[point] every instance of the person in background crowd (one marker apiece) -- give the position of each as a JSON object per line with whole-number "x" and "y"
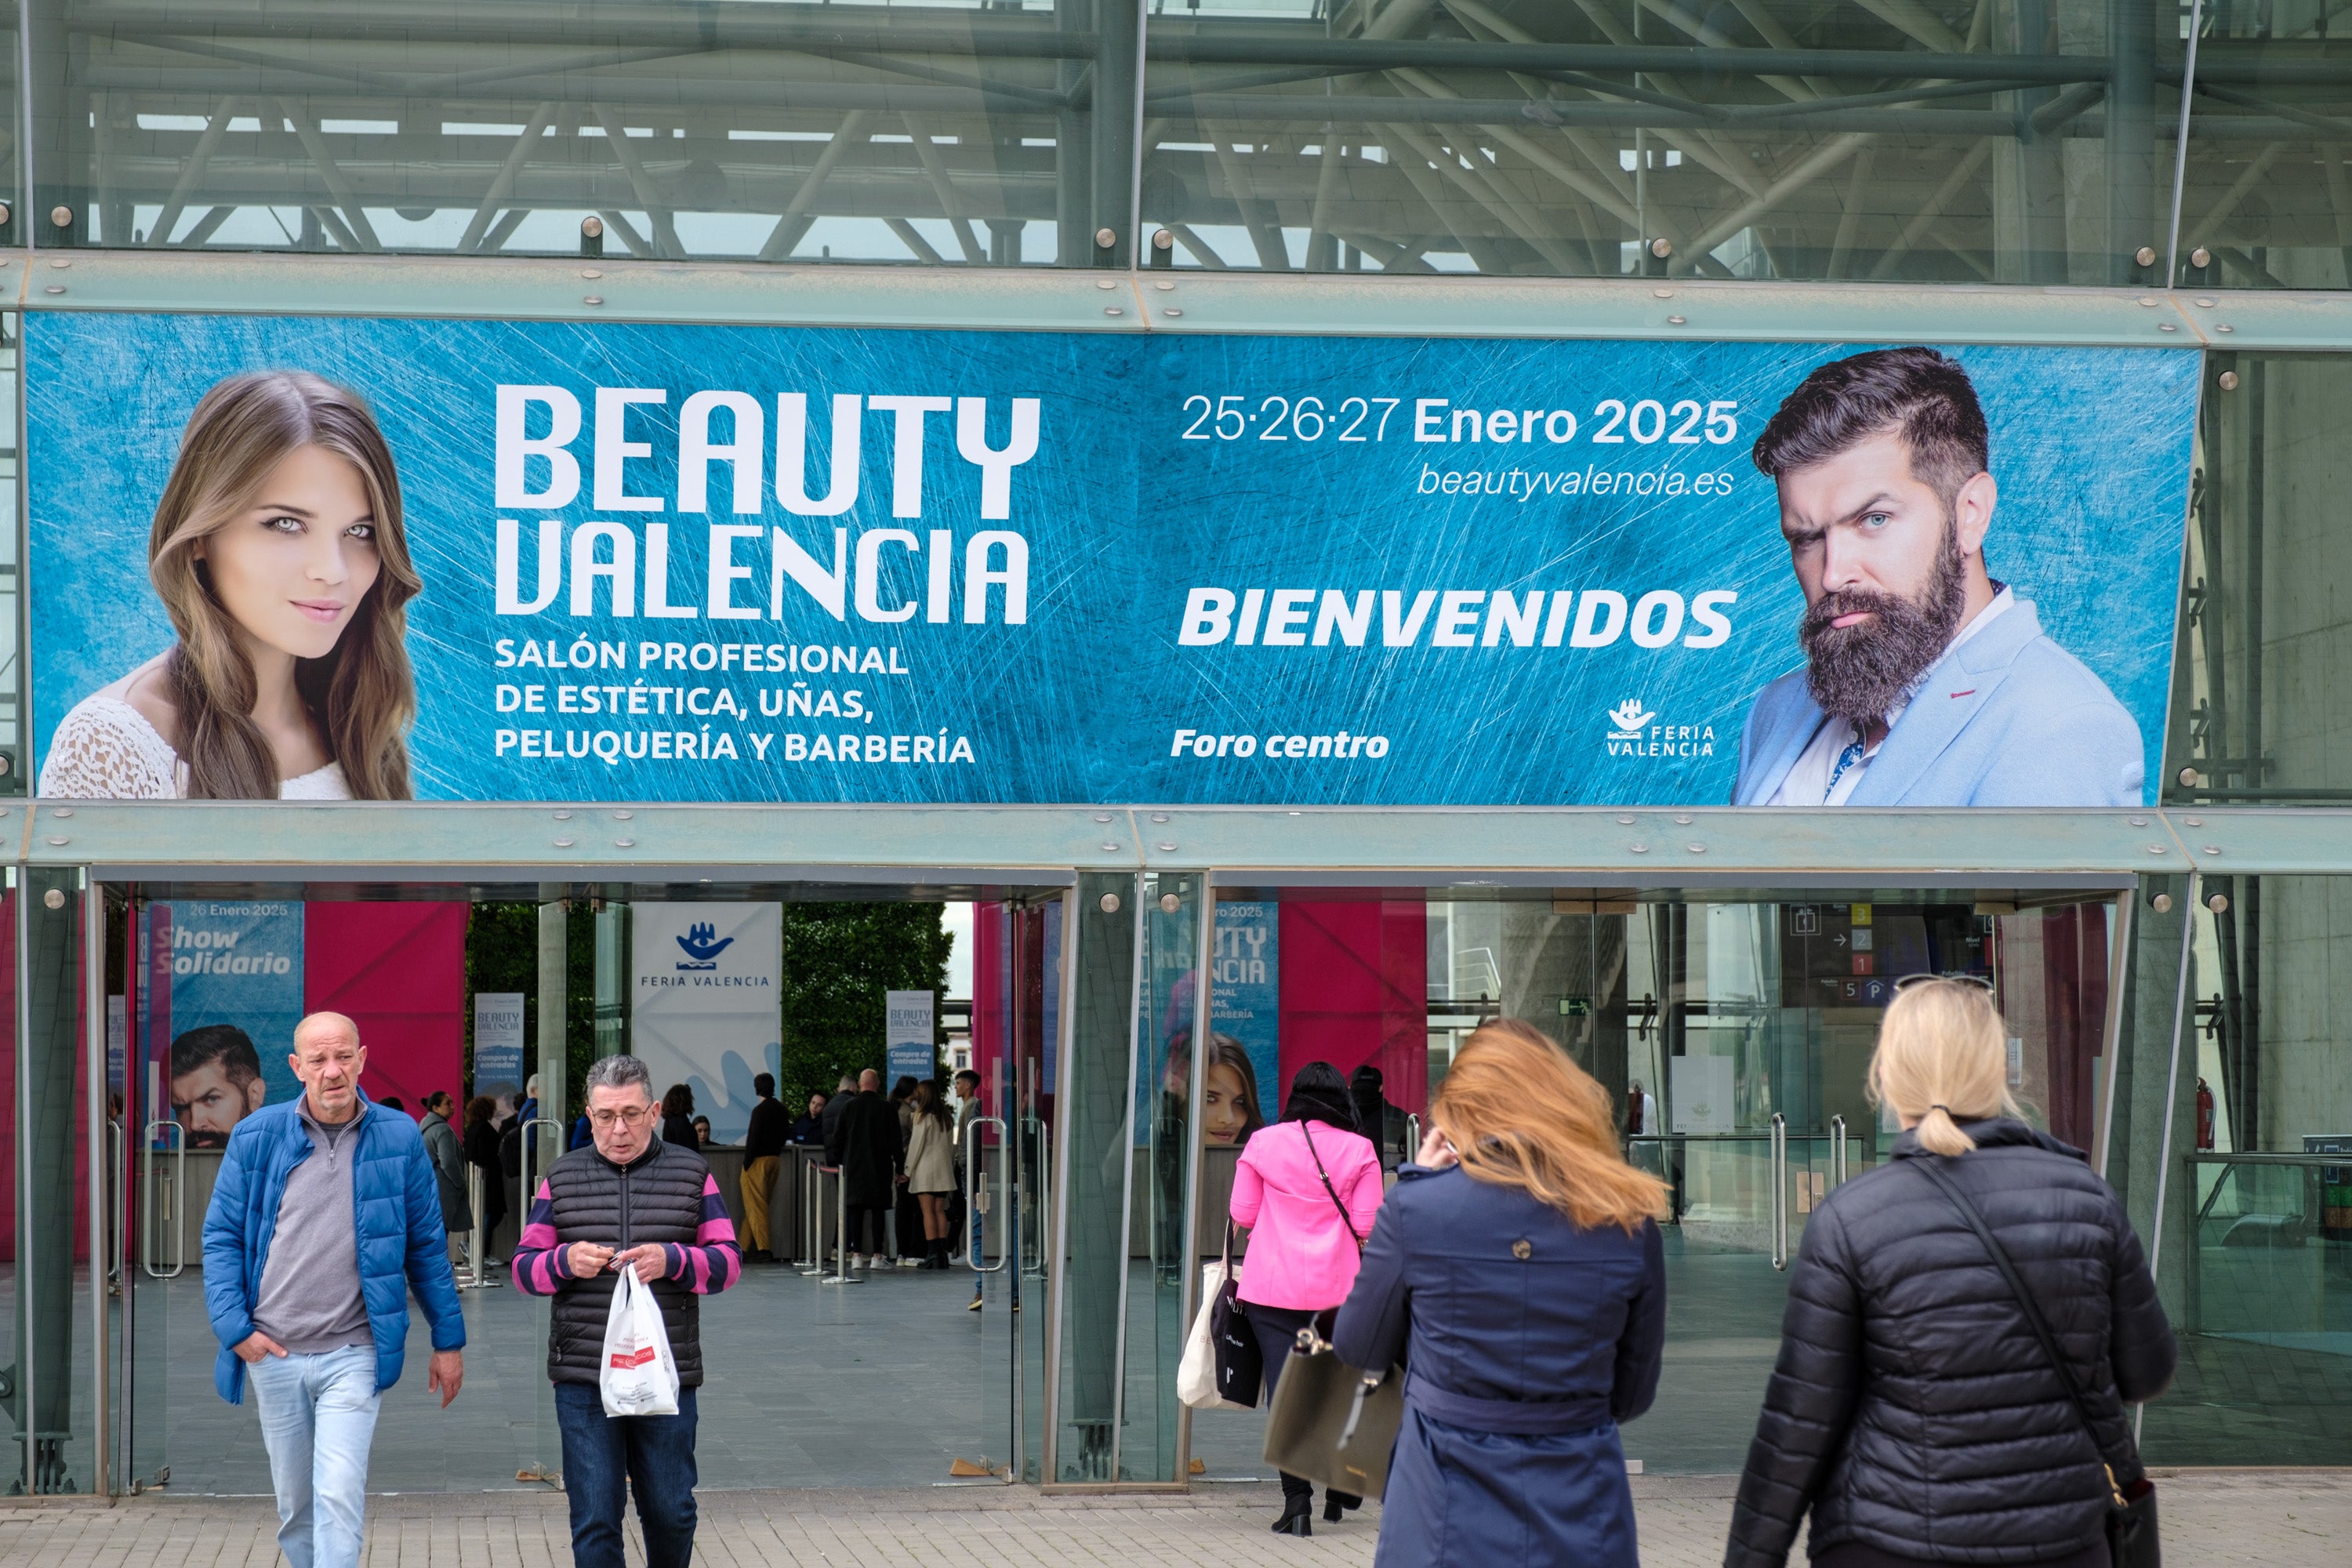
{"x": 581, "y": 1135}
{"x": 906, "y": 1214}
{"x": 677, "y": 1117}
{"x": 763, "y": 1145}
{"x": 393, "y": 1102}
{"x": 1913, "y": 1411}
{"x": 838, "y": 1106}
{"x": 809, "y": 1129}
{"x": 1382, "y": 1123}
{"x": 481, "y": 1147}
{"x": 1229, "y": 1112}
{"x": 865, "y": 1147}
{"x": 216, "y": 1082}
{"x": 1517, "y": 1271}
{"x": 930, "y": 1169}
{"x": 449, "y": 1163}
{"x": 969, "y": 1110}
{"x": 1641, "y": 1113}
{"x": 1306, "y": 1189}
{"x": 660, "y": 1197}
{"x": 702, "y": 1132}
{"x": 323, "y": 1219}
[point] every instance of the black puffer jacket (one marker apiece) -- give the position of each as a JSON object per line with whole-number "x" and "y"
{"x": 1911, "y": 1407}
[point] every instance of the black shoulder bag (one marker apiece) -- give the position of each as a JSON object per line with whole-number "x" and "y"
{"x": 2131, "y": 1517}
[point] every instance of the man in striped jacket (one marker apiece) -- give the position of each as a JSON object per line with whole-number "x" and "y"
{"x": 627, "y": 1201}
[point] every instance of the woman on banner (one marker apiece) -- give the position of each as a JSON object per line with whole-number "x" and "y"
{"x": 279, "y": 551}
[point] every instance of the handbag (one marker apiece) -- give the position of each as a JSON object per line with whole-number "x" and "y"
{"x": 1241, "y": 1365}
{"x": 1330, "y": 1422}
{"x": 1333, "y": 1422}
{"x": 1205, "y": 1374}
{"x": 2131, "y": 1513}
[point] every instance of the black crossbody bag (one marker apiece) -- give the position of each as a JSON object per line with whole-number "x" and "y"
{"x": 2131, "y": 1517}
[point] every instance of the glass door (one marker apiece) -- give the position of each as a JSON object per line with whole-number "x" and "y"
{"x": 1754, "y": 1028}
{"x": 152, "y": 1257}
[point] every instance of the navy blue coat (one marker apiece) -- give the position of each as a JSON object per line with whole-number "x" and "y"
{"x": 1526, "y": 1340}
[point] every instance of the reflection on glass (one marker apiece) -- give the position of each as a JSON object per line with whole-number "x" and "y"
{"x": 2004, "y": 143}
{"x": 941, "y": 134}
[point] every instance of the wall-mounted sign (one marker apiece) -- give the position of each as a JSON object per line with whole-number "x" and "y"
{"x": 705, "y": 1005}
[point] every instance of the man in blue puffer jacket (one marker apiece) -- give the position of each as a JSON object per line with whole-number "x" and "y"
{"x": 324, "y": 1215}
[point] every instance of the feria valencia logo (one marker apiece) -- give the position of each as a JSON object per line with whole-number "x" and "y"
{"x": 1627, "y": 718}
{"x": 1634, "y": 732}
{"x": 702, "y": 945}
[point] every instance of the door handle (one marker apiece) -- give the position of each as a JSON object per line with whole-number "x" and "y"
{"x": 971, "y": 1184}
{"x": 1779, "y": 1163}
{"x": 1837, "y": 1151}
{"x": 149, "y": 1259}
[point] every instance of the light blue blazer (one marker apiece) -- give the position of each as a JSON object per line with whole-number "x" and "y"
{"x": 2009, "y": 718}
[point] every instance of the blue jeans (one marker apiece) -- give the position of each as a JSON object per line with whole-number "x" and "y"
{"x": 607, "y": 1457}
{"x": 317, "y": 1418}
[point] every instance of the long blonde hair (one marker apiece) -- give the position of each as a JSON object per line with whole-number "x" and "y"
{"x": 1520, "y": 1113}
{"x": 1943, "y": 1058}
{"x": 362, "y": 694}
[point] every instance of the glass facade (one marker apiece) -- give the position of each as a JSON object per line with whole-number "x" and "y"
{"x": 1918, "y": 140}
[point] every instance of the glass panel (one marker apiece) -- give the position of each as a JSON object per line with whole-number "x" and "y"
{"x": 2255, "y": 1264}
{"x": 936, "y": 134}
{"x": 2009, "y": 141}
{"x": 2264, "y": 203}
{"x": 2256, "y": 642}
{"x": 50, "y": 1391}
{"x": 1094, "y": 1104}
{"x": 1036, "y": 1022}
{"x": 1167, "y": 1006}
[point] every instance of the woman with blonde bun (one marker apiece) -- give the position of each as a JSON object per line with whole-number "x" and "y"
{"x": 1516, "y": 1273}
{"x": 1914, "y": 1411}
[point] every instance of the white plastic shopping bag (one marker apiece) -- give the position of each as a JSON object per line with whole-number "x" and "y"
{"x": 639, "y": 1376}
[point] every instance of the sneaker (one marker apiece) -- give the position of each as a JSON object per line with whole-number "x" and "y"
{"x": 906, "y": 1262}
{"x": 857, "y": 1260}
{"x": 976, "y": 1305}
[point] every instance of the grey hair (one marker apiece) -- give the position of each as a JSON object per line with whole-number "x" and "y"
{"x": 620, "y": 1072}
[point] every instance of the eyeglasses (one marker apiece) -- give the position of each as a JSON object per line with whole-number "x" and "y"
{"x": 1923, "y": 978}
{"x": 627, "y": 1117}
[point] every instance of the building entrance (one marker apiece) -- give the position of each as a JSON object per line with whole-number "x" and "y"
{"x": 1126, "y": 1043}
{"x": 816, "y": 1374}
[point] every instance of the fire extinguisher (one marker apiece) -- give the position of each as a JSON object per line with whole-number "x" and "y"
{"x": 2204, "y": 1115}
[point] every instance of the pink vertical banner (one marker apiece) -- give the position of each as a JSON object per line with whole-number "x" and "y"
{"x": 1355, "y": 989}
{"x": 398, "y": 971}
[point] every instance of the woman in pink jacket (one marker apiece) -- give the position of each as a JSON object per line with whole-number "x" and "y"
{"x": 1306, "y": 1188}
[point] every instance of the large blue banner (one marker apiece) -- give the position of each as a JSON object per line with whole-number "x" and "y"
{"x": 557, "y": 560}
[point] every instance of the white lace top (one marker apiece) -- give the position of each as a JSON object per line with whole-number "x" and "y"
{"x": 106, "y": 749}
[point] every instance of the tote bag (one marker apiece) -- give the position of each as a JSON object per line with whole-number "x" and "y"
{"x": 1210, "y": 1369}
{"x": 637, "y": 1374}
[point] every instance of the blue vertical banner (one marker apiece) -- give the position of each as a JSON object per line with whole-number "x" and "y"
{"x": 1246, "y": 1020}
{"x": 236, "y": 978}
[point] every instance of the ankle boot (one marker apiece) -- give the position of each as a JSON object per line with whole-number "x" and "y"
{"x": 940, "y": 1260}
{"x": 1297, "y": 1512}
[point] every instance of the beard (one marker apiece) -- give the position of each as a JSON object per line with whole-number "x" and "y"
{"x": 1856, "y": 673}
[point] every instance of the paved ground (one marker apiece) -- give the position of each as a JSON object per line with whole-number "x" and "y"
{"x": 2279, "y": 1519}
